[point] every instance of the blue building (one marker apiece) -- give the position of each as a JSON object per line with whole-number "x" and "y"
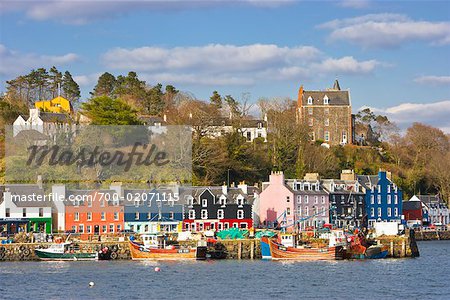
{"x": 383, "y": 198}
{"x": 152, "y": 211}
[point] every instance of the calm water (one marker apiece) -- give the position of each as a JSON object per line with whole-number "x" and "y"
{"x": 421, "y": 278}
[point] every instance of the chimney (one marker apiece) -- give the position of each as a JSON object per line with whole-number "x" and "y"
{"x": 265, "y": 117}
{"x": 117, "y": 187}
{"x": 300, "y": 96}
{"x": 190, "y": 115}
{"x": 243, "y": 187}
{"x": 39, "y": 181}
{"x": 311, "y": 177}
{"x": 276, "y": 178}
{"x": 165, "y": 118}
{"x": 224, "y": 188}
{"x": 348, "y": 175}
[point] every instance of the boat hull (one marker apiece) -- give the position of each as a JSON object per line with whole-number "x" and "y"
{"x": 279, "y": 252}
{"x": 44, "y": 255}
{"x": 138, "y": 252}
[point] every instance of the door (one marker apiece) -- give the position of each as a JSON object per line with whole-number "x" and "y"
{"x": 96, "y": 229}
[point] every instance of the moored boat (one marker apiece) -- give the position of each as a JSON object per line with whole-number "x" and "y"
{"x": 64, "y": 251}
{"x": 154, "y": 248}
{"x": 270, "y": 249}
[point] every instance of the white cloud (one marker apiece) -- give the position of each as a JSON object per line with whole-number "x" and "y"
{"x": 13, "y": 62}
{"x": 80, "y": 12}
{"x": 347, "y": 65}
{"x": 87, "y": 80}
{"x": 387, "y": 30}
{"x": 434, "y": 114}
{"x": 355, "y": 3}
{"x": 217, "y": 64}
{"x": 433, "y": 80}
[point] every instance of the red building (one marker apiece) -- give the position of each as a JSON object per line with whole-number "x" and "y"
{"x": 413, "y": 212}
{"x": 93, "y": 212}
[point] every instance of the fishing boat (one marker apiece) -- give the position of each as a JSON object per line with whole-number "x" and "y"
{"x": 154, "y": 248}
{"x": 64, "y": 251}
{"x": 360, "y": 248}
{"x": 271, "y": 249}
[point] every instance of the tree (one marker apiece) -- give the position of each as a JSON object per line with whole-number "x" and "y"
{"x": 216, "y": 100}
{"x": 70, "y": 87}
{"x": 105, "y": 86}
{"x": 55, "y": 79}
{"x": 105, "y": 110}
{"x": 155, "y": 100}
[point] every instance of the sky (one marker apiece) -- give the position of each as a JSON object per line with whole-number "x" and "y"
{"x": 393, "y": 56}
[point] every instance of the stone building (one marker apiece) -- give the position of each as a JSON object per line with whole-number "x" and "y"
{"x": 328, "y": 114}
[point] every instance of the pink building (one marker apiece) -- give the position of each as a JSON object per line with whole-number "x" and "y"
{"x": 276, "y": 203}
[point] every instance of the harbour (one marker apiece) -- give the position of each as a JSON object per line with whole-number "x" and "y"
{"x": 400, "y": 278}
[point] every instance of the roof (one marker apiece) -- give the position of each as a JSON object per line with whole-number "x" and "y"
{"x": 368, "y": 180}
{"x": 28, "y": 195}
{"x": 335, "y": 97}
{"x": 55, "y": 117}
{"x": 412, "y": 205}
{"x": 290, "y": 183}
{"x": 231, "y": 195}
{"x": 226, "y": 121}
{"x": 151, "y": 120}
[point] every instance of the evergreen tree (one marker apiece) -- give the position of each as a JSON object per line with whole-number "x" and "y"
{"x": 155, "y": 100}
{"x": 55, "y": 80}
{"x": 70, "y": 88}
{"x": 105, "y": 110}
{"x": 216, "y": 99}
{"x": 105, "y": 86}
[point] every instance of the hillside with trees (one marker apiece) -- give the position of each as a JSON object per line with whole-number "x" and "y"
{"x": 419, "y": 158}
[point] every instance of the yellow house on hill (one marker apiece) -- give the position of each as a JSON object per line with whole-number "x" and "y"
{"x": 56, "y": 105}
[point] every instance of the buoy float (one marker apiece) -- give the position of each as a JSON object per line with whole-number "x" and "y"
{"x": 91, "y": 284}
{"x": 157, "y": 269}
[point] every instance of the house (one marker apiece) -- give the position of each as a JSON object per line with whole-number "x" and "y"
{"x": 156, "y": 124}
{"x": 56, "y": 105}
{"x": 42, "y": 122}
{"x": 93, "y": 212}
{"x": 276, "y": 203}
{"x": 347, "y": 207}
{"x": 217, "y": 208}
{"x": 414, "y": 212}
{"x": 383, "y": 199}
{"x": 25, "y": 208}
{"x": 436, "y": 209}
{"x": 152, "y": 211}
{"x": 327, "y": 113}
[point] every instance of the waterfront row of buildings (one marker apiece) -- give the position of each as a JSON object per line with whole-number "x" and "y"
{"x": 293, "y": 204}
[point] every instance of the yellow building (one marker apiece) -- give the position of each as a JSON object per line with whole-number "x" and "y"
{"x": 56, "y": 105}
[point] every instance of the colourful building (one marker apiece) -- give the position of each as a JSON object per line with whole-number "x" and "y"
{"x": 56, "y": 105}
{"x": 94, "y": 212}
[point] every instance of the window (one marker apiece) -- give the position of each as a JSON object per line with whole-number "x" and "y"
{"x": 104, "y": 229}
{"x": 306, "y": 199}
{"x": 235, "y": 225}
{"x": 327, "y": 136}
{"x": 89, "y": 216}
{"x": 149, "y": 216}
{"x": 372, "y": 212}
{"x": 89, "y": 229}
{"x": 379, "y": 199}
{"x": 243, "y": 225}
{"x": 379, "y": 188}
{"x": 89, "y": 201}
{"x": 240, "y": 201}
{"x": 325, "y": 100}
{"x": 389, "y": 212}
{"x": 288, "y": 199}
{"x": 190, "y": 201}
{"x": 74, "y": 228}
{"x": 102, "y": 203}
{"x": 395, "y": 199}
{"x": 219, "y": 226}
{"x": 372, "y": 199}
{"x": 76, "y": 216}
{"x": 41, "y": 212}
{"x": 306, "y": 211}
{"x": 136, "y": 216}
{"x": 316, "y": 199}
{"x": 312, "y": 136}
{"x": 226, "y": 225}
{"x": 327, "y": 122}
{"x": 299, "y": 199}
{"x": 327, "y": 110}
{"x": 311, "y": 122}
{"x": 324, "y": 212}
{"x": 220, "y": 214}
{"x": 379, "y": 212}
{"x": 146, "y": 228}
{"x": 119, "y": 228}
{"x": 240, "y": 214}
{"x": 323, "y": 199}
{"x": 310, "y": 111}
{"x": 389, "y": 199}
{"x": 204, "y": 214}
{"x": 111, "y": 227}
{"x": 24, "y": 212}
{"x": 395, "y": 212}
{"x": 81, "y": 228}
{"x": 288, "y": 211}
{"x": 204, "y": 202}
{"x": 116, "y": 216}
{"x": 8, "y": 213}
{"x": 310, "y": 100}
{"x": 103, "y": 216}
{"x": 171, "y": 215}
{"x": 249, "y": 136}
{"x": 389, "y": 188}
{"x": 192, "y": 214}
{"x": 299, "y": 210}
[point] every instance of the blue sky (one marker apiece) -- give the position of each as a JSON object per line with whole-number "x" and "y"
{"x": 392, "y": 55}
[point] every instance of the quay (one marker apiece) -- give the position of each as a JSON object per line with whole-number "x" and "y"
{"x": 399, "y": 247}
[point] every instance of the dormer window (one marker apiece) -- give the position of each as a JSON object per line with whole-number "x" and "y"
{"x": 240, "y": 201}
{"x": 310, "y": 100}
{"x": 325, "y": 100}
